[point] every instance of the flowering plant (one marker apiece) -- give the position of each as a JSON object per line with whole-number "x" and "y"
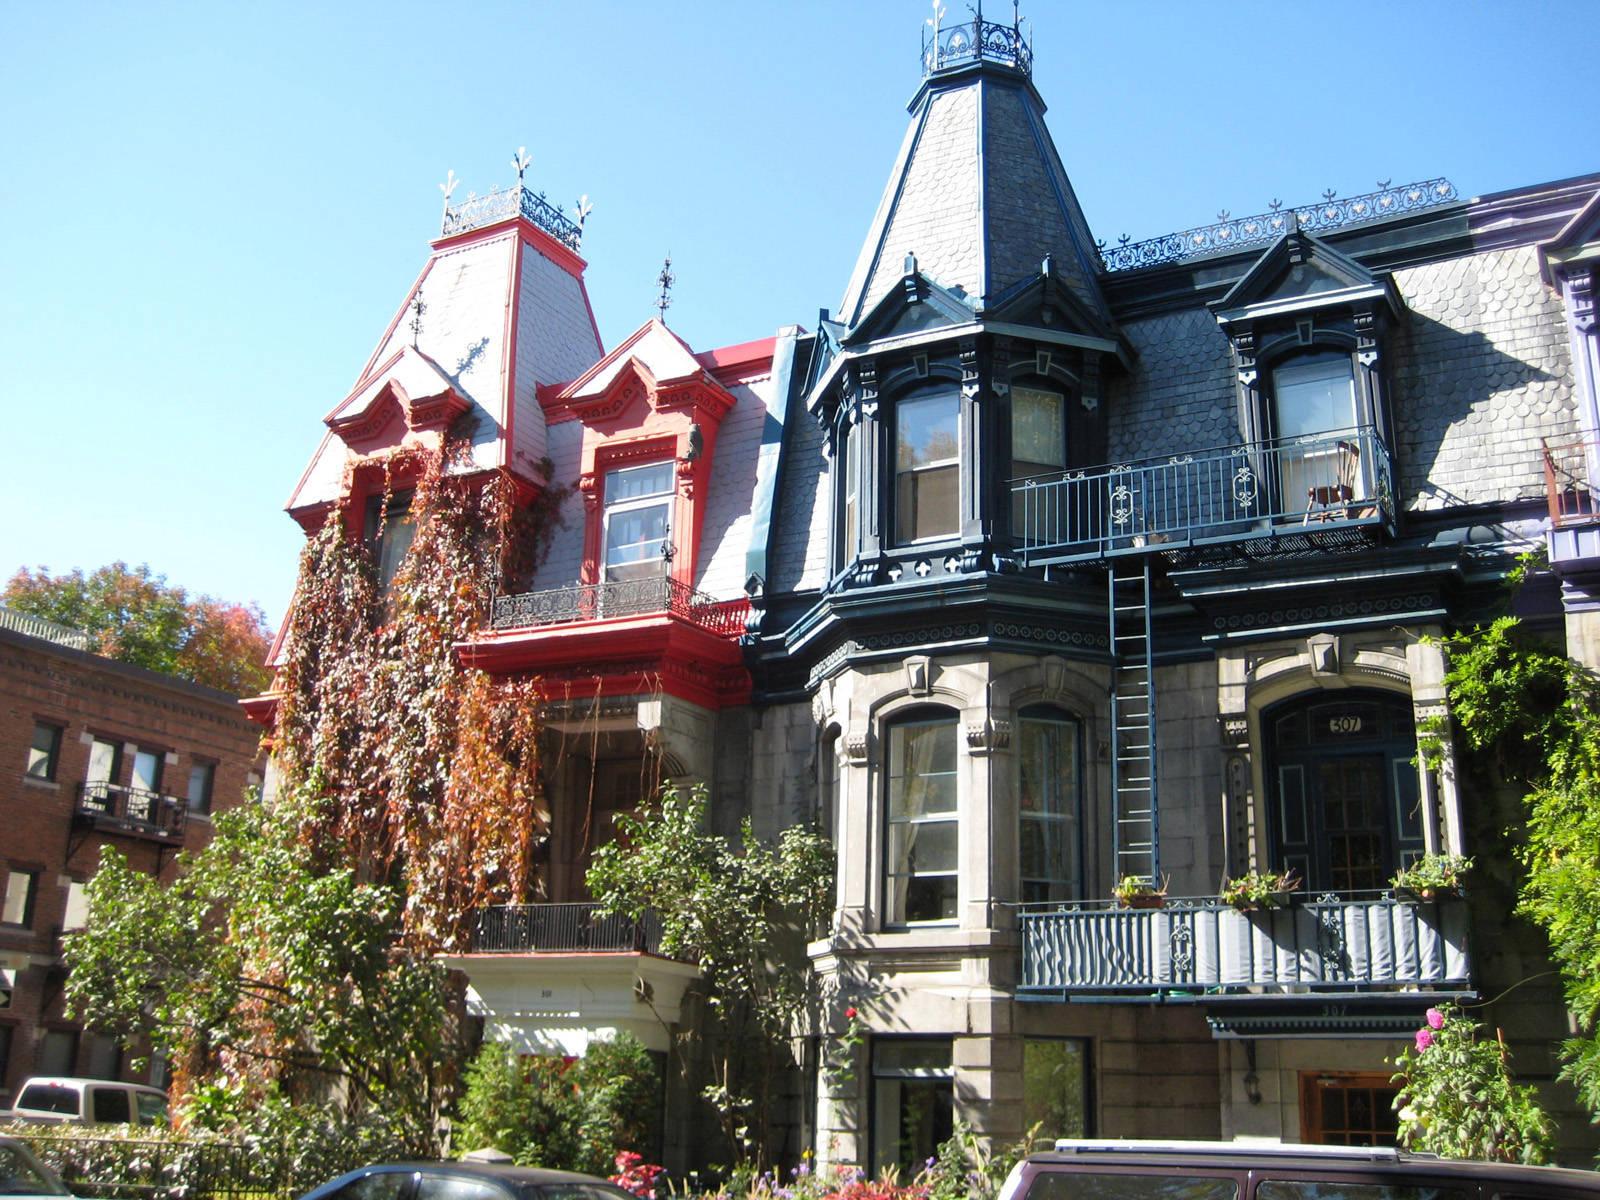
{"x": 637, "y": 1176}
{"x": 847, "y": 1047}
{"x": 1432, "y": 875}
{"x": 1257, "y": 889}
{"x": 1457, "y": 1099}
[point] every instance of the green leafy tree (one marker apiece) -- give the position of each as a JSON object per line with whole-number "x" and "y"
{"x": 257, "y": 971}
{"x": 135, "y": 616}
{"x": 1457, "y": 1098}
{"x": 735, "y": 908}
{"x": 1531, "y": 717}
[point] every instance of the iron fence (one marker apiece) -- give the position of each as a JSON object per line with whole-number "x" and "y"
{"x": 1356, "y": 942}
{"x": 1230, "y": 492}
{"x": 569, "y": 928}
{"x": 501, "y": 203}
{"x": 163, "y": 1168}
{"x": 620, "y": 598}
{"x": 134, "y": 809}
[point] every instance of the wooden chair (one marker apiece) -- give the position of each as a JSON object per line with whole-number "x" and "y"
{"x": 1331, "y": 502}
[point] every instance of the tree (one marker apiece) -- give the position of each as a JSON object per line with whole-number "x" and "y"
{"x": 255, "y": 968}
{"x": 1531, "y": 718}
{"x": 730, "y": 907}
{"x": 135, "y": 616}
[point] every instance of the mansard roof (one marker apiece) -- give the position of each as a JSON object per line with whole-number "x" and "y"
{"x": 978, "y": 194}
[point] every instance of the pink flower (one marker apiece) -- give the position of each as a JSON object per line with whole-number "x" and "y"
{"x": 1424, "y": 1039}
{"x": 1435, "y": 1019}
{"x": 850, "y": 1013}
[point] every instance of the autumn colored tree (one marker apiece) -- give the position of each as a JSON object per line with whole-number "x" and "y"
{"x": 133, "y": 615}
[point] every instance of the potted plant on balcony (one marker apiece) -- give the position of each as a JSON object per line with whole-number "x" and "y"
{"x": 1138, "y": 891}
{"x": 1257, "y": 890}
{"x": 1432, "y": 876}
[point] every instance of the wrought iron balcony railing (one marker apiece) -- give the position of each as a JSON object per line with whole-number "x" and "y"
{"x": 562, "y": 928}
{"x": 1571, "y": 465}
{"x": 1359, "y": 942}
{"x": 20, "y": 622}
{"x": 501, "y": 203}
{"x": 1309, "y": 485}
{"x": 133, "y": 810}
{"x": 620, "y": 598}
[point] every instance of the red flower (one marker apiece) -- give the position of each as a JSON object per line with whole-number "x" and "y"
{"x": 850, "y": 1014}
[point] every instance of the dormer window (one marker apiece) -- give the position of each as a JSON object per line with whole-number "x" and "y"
{"x": 927, "y": 467}
{"x": 637, "y": 523}
{"x": 1313, "y": 394}
{"x": 390, "y": 531}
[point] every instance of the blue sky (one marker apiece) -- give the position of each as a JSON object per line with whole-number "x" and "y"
{"x": 211, "y": 211}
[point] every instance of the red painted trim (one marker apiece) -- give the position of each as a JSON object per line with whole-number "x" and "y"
{"x": 305, "y": 475}
{"x": 743, "y": 354}
{"x": 363, "y": 384}
{"x": 620, "y": 656}
{"x": 573, "y": 264}
{"x": 263, "y": 710}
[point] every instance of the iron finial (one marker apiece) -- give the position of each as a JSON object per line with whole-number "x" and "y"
{"x": 447, "y": 187}
{"x": 417, "y": 309}
{"x": 582, "y": 208}
{"x": 666, "y": 280}
{"x": 521, "y": 161}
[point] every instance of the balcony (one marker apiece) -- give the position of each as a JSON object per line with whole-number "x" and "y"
{"x": 1255, "y": 500}
{"x": 1570, "y": 467}
{"x": 134, "y": 812}
{"x": 563, "y": 929}
{"x": 620, "y": 598}
{"x": 1200, "y": 948}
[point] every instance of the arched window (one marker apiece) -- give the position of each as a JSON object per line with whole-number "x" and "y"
{"x": 1343, "y": 805}
{"x": 1049, "y": 805}
{"x": 923, "y": 828}
{"x": 927, "y": 466}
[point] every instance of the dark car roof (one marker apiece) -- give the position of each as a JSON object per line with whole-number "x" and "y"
{"x": 504, "y": 1173}
{"x": 1306, "y": 1159}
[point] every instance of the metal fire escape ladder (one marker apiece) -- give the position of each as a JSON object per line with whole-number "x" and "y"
{"x": 1136, "y": 848}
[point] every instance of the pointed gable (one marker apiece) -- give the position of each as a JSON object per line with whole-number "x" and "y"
{"x": 652, "y": 361}
{"x": 1300, "y": 271}
{"x": 978, "y": 194}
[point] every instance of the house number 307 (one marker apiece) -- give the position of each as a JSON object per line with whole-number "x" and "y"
{"x": 1344, "y": 724}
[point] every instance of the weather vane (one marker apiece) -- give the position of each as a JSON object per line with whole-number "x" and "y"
{"x": 665, "y": 279}
{"x": 447, "y": 187}
{"x": 582, "y": 208}
{"x": 520, "y": 161}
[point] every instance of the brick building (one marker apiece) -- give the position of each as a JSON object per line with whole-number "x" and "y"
{"x": 93, "y": 753}
{"x": 1037, "y": 565}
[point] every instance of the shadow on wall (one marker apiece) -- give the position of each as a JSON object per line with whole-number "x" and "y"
{"x": 1468, "y": 417}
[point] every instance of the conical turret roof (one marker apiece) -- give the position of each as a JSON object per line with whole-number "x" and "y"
{"x": 978, "y": 193}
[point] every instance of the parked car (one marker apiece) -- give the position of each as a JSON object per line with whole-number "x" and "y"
{"x": 1135, "y": 1170}
{"x": 23, "y": 1175}
{"x": 464, "y": 1181}
{"x": 63, "y": 1099}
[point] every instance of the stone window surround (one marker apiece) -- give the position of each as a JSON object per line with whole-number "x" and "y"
{"x": 853, "y": 712}
{"x": 1254, "y": 678}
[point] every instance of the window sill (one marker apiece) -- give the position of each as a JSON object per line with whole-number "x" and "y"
{"x": 50, "y": 785}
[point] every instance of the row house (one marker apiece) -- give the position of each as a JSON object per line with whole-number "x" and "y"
{"x": 95, "y": 753}
{"x": 1038, "y": 564}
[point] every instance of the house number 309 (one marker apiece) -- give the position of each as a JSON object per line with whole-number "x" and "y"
{"x": 1344, "y": 724}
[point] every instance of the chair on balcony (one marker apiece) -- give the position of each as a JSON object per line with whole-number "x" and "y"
{"x": 1331, "y": 502}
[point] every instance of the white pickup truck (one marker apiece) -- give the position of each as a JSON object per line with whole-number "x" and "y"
{"x": 88, "y": 1102}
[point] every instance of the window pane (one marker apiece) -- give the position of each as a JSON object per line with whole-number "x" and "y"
{"x": 1054, "y": 1086}
{"x": 1330, "y": 1189}
{"x": 110, "y": 1106}
{"x": 104, "y": 758}
{"x": 1314, "y": 395}
{"x": 631, "y": 483}
{"x": 58, "y": 1053}
{"x": 1038, "y": 432}
{"x": 928, "y": 502}
{"x": 913, "y": 1101}
{"x": 926, "y": 847}
{"x": 147, "y": 770}
{"x": 42, "y": 754}
{"x": 104, "y": 1058}
{"x": 635, "y": 534}
{"x": 1075, "y": 1185}
{"x": 434, "y": 1187}
{"x": 18, "y": 908}
{"x": 152, "y": 1109}
{"x": 379, "y": 1185}
{"x": 1048, "y": 799}
{"x": 926, "y": 431}
{"x": 201, "y": 777}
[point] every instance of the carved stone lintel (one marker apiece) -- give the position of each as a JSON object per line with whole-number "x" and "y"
{"x": 919, "y": 674}
{"x": 1323, "y": 650}
{"x": 987, "y": 736}
{"x": 1054, "y": 671}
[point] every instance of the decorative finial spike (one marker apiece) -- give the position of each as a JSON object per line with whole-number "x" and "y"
{"x": 1383, "y": 184}
{"x": 911, "y": 265}
{"x": 666, "y": 279}
{"x": 417, "y": 309}
{"x": 449, "y": 185}
{"x": 583, "y": 208}
{"x": 521, "y": 161}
